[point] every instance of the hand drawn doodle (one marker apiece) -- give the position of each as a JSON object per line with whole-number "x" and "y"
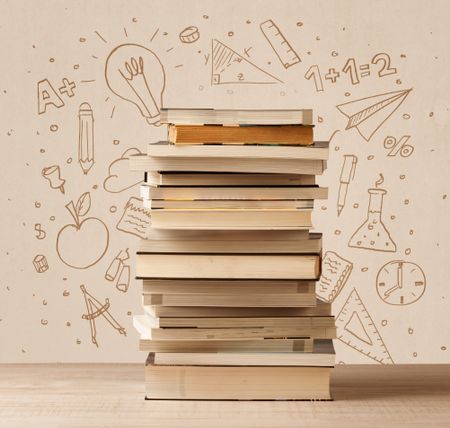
{"x": 135, "y": 219}
{"x": 400, "y": 283}
{"x": 135, "y": 74}
{"x": 398, "y": 147}
{"x": 372, "y": 234}
{"x": 40, "y": 263}
{"x": 314, "y": 72}
{"x": 120, "y": 271}
{"x": 53, "y": 175}
{"x": 279, "y": 44}
{"x": 230, "y": 67}
{"x": 189, "y": 35}
{"x": 347, "y": 175}
{"x": 67, "y": 87}
{"x": 385, "y": 60}
{"x": 47, "y": 95}
{"x": 119, "y": 177}
{"x": 85, "y": 137}
{"x": 332, "y": 75}
{"x": 83, "y": 243}
{"x": 40, "y": 233}
{"x": 335, "y": 273}
{"x": 356, "y": 329}
{"x": 368, "y": 114}
{"x": 96, "y": 309}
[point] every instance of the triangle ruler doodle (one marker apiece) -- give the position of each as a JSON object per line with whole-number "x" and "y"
{"x": 357, "y": 330}
{"x": 96, "y": 309}
{"x": 230, "y": 67}
{"x": 368, "y": 114}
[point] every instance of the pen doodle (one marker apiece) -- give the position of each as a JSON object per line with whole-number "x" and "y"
{"x": 118, "y": 270}
{"x": 135, "y": 219}
{"x": 119, "y": 176}
{"x": 96, "y": 309}
{"x": 85, "y": 137}
{"x": 230, "y": 67}
{"x": 75, "y": 245}
{"x": 53, "y": 175}
{"x": 347, "y": 175}
{"x": 356, "y": 329}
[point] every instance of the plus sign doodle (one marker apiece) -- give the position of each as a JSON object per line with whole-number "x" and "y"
{"x": 67, "y": 87}
{"x": 47, "y": 95}
{"x": 332, "y": 75}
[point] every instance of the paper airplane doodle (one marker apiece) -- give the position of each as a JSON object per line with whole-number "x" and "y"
{"x": 96, "y": 309}
{"x": 230, "y": 67}
{"x": 368, "y": 114}
{"x": 357, "y": 330}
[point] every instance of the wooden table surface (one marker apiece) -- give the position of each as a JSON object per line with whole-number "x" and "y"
{"x": 111, "y": 395}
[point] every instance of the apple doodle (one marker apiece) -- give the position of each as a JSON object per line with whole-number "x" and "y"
{"x": 83, "y": 243}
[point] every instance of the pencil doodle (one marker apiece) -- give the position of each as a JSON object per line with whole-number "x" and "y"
{"x": 85, "y": 137}
{"x": 40, "y": 263}
{"x": 189, "y": 35}
{"x": 74, "y": 244}
{"x": 119, "y": 176}
{"x": 47, "y": 95}
{"x": 95, "y": 309}
{"x": 135, "y": 219}
{"x": 40, "y": 233}
{"x": 399, "y": 147}
{"x": 347, "y": 175}
{"x": 136, "y": 74}
{"x": 400, "y": 283}
{"x": 283, "y": 49}
{"x": 335, "y": 273}
{"x": 373, "y": 234}
{"x": 356, "y": 329}
{"x": 118, "y": 270}
{"x": 230, "y": 67}
{"x": 368, "y": 114}
{"x": 53, "y": 175}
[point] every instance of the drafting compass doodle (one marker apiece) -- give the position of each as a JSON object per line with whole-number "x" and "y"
{"x": 96, "y": 309}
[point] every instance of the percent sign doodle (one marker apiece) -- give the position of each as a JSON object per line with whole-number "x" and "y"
{"x": 398, "y": 147}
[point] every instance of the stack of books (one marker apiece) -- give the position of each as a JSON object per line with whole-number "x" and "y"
{"x": 229, "y": 264}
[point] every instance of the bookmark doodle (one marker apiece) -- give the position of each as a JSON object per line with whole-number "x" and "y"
{"x": 96, "y": 309}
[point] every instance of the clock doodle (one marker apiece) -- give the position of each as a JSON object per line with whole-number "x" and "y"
{"x": 400, "y": 282}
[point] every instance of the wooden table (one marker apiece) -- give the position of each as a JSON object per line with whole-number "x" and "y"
{"x": 108, "y": 395}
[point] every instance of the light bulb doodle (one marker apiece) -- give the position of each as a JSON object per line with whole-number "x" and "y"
{"x": 135, "y": 74}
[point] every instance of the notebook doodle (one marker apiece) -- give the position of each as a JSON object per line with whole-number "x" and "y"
{"x": 356, "y": 329}
{"x": 335, "y": 273}
{"x": 96, "y": 309}
{"x": 230, "y": 67}
{"x": 135, "y": 219}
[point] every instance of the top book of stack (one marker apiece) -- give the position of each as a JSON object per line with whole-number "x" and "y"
{"x": 265, "y": 127}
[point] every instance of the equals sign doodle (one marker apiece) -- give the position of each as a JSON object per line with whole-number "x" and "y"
{"x": 365, "y": 71}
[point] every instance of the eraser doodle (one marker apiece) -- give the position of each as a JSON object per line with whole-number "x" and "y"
{"x": 189, "y": 35}
{"x": 40, "y": 263}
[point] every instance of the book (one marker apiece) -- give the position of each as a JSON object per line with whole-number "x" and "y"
{"x": 320, "y": 309}
{"x": 234, "y": 193}
{"x": 217, "y": 164}
{"x": 163, "y": 149}
{"x": 298, "y": 135}
{"x": 322, "y": 355}
{"x": 236, "y": 219}
{"x": 227, "y": 204}
{"x": 235, "y": 382}
{"x": 155, "y": 178}
{"x": 209, "y": 116}
{"x": 262, "y": 243}
{"x": 233, "y": 266}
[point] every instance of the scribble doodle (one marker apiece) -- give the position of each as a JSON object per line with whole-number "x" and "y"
{"x": 53, "y": 175}
{"x": 368, "y": 114}
{"x": 47, "y": 95}
{"x": 230, "y": 67}
{"x": 335, "y": 273}
{"x": 373, "y": 234}
{"x": 283, "y": 49}
{"x": 136, "y": 74}
{"x": 314, "y": 72}
{"x": 400, "y": 283}
{"x": 83, "y": 243}
{"x": 399, "y": 147}
{"x": 189, "y": 35}
{"x": 40, "y": 233}
{"x": 135, "y": 219}
{"x": 40, "y": 263}
{"x": 119, "y": 271}
{"x": 85, "y": 137}
{"x": 119, "y": 176}
{"x": 347, "y": 175}
{"x": 356, "y": 329}
{"x": 96, "y": 309}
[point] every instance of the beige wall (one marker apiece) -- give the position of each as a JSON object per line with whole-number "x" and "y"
{"x": 41, "y": 313}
